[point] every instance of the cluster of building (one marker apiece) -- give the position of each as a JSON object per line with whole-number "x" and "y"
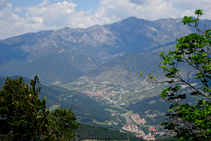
{"x": 101, "y": 93}
{"x": 130, "y": 128}
{"x": 141, "y": 134}
{"x": 136, "y": 118}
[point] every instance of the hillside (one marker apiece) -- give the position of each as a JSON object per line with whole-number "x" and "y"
{"x": 52, "y": 68}
{"x": 66, "y": 54}
{"x": 125, "y": 71}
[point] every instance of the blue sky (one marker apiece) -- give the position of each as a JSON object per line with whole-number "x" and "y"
{"x": 21, "y": 16}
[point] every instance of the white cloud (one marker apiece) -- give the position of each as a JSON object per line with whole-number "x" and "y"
{"x": 12, "y": 25}
{"x": 44, "y": 16}
{"x": 53, "y": 15}
{"x": 17, "y": 9}
{"x": 111, "y": 10}
{"x": 44, "y": 3}
{"x": 60, "y": 14}
{"x": 3, "y": 3}
{"x": 206, "y": 1}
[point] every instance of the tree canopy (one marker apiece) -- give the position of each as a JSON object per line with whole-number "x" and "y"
{"x": 24, "y": 115}
{"x": 189, "y": 122}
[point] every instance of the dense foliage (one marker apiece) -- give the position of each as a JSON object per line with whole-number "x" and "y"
{"x": 169, "y": 139}
{"x": 100, "y": 133}
{"x": 62, "y": 124}
{"x": 24, "y": 115}
{"x": 189, "y": 122}
{"x": 19, "y": 108}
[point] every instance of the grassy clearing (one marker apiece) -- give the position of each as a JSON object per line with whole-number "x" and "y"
{"x": 111, "y": 110}
{"x": 151, "y": 115}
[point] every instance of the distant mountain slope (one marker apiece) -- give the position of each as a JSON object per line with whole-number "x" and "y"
{"x": 129, "y": 35}
{"x": 83, "y": 50}
{"x": 52, "y": 68}
{"x": 125, "y": 70}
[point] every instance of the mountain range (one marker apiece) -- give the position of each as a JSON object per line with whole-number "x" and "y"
{"x": 64, "y": 55}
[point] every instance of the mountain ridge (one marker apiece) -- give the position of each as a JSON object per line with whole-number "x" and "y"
{"x": 86, "y": 49}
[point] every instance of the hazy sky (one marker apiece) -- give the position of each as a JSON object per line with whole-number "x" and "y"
{"x": 22, "y": 16}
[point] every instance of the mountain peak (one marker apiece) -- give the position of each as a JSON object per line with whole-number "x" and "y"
{"x": 97, "y": 26}
{"x": 66, "y": 28}
{"x": 131, "y": 19}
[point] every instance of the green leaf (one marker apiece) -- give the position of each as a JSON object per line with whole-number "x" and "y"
{"x": 199, "y": 12}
